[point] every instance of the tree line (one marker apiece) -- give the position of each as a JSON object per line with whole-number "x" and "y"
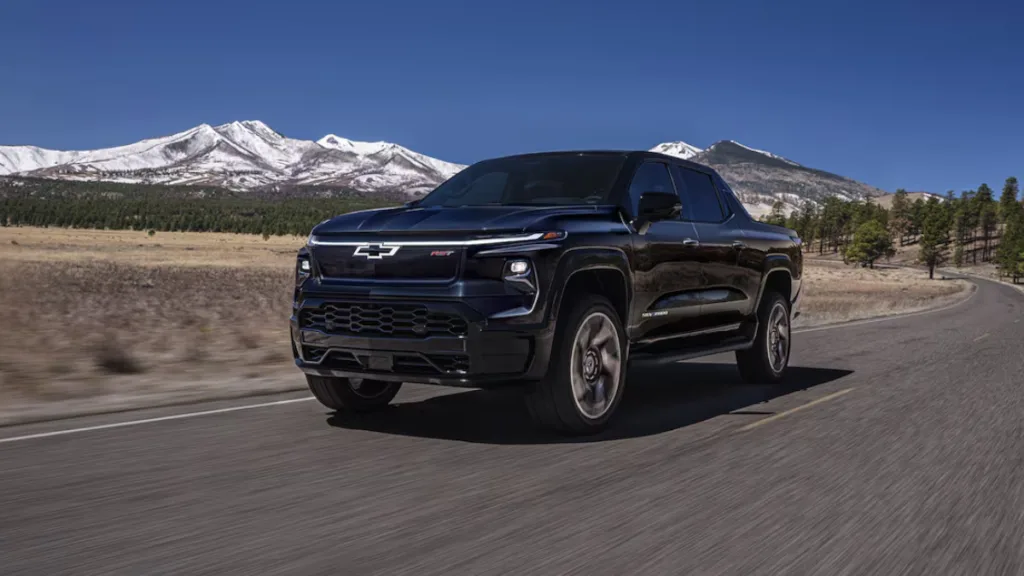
{"x": 169, "y": 208}
{"x": 970, "y": 228}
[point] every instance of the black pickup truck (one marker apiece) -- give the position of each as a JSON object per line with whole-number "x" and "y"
{"x": 550, "y": 271}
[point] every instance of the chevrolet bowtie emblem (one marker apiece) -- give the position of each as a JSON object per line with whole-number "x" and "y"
{"x": 375, "y": 251}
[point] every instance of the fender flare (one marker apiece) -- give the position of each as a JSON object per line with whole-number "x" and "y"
{"x": 586, "y": 259}
{"x": 774, "y": 264}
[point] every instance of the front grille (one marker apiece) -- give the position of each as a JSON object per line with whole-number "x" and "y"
{"x": 382, "y": 320}
{"x": 313, "y": 354}
{"x": 441, "y": 364}
{"x": 409, "y": 263}
{"x": 431, "y": 364}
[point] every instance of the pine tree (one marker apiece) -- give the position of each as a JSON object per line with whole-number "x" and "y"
{"x": 870, "y": 242}
{"x": 899, "y": 215}
{"x": 1009, "y": 256}
{"x": 934, "y": 237}
{"x": 916, "y": 217}
{"x": 777, "y": 215}
{"x": 1008, "y": 200}
{"x": 983, "y": 216}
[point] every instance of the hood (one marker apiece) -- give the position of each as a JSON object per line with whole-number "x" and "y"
{"x": 453, "y": 220}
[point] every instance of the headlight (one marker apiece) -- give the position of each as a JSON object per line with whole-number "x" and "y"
{"x": 519, "y": 273}
{"x": 519, "y": 266}
{"x": 303, "y": 267}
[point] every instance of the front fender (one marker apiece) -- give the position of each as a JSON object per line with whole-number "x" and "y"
{"x": 578, "y": 260}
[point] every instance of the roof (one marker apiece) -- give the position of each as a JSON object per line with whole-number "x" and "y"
{"x": 609, "y": 152}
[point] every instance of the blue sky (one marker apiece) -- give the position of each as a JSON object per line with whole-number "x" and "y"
{"x": 920, "y": 95}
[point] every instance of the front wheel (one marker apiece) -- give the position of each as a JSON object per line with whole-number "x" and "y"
{"x": 587, "y": 371}
{"x": 355, "y": 394}
{"x": 766, "y": 361}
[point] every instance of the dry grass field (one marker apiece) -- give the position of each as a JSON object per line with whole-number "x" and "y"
{"x": 96, "y": 319}
{"x": 838, "y": 293}
{"x": 105, "y": 319}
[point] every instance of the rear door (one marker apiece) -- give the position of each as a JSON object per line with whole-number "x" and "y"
{"x": 723, "y": 294}
{"x": 667, "y": 275}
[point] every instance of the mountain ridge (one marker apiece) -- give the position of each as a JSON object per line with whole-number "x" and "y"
{"x": 237, "y": 155}
{"x": 249, "y": 155}
{"x": 760, "y": 178}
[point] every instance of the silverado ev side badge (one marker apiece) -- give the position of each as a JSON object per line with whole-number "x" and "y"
{"x": 375, "y": 251}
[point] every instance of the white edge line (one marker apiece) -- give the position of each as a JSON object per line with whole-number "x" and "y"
{"x": 795, "y": 409}
{"x": 151, "y": 420}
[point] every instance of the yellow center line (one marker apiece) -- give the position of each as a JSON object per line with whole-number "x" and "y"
{"x": 797, "y": 409}
{"x": 982, "y": 337}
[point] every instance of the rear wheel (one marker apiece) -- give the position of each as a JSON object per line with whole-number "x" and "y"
{"x": 355, "y": 394}
{"x": 587, "y": 372}
{"x": 767, "y": 360}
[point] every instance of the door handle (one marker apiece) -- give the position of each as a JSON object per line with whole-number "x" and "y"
{"x": 739, "y": 245}
{"x": 690, "y": 242}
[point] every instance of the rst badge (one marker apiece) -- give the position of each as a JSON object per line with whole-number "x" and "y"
{"x": 375, "y": 251}
{"x": 442, "y": 252}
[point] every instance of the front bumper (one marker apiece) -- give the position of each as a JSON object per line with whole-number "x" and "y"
{"x": 483, "y": 352}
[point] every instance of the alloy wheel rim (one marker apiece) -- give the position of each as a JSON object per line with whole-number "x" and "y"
{"x": 778, "y": 338}
{"x": 596, "y": 365}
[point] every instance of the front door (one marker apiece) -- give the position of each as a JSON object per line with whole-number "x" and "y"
{"x": 724, "y": 298}
{"x": 667, "y": 273}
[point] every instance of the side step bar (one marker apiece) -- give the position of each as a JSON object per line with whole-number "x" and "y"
{"x": 642, "y": 359}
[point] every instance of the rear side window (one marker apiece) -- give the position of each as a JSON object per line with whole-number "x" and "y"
{"x": 649, "y": 177}
{"x": 699, "y": 196}
{"x": 729, "y": 199}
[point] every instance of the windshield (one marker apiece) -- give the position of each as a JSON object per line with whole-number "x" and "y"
{"x": 555, "y": 179}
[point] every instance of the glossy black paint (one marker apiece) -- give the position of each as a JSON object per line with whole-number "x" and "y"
{"x": 683, "y": 287}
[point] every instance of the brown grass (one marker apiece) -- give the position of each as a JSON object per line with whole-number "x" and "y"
{"x": 838, "y": 293}
{"x": 138, "y": 248}
{"x": 96, "y": 318}
{"x": 91, "y": 314}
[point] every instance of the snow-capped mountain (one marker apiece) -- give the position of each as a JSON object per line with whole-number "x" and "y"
{"x": 761, "y": 178}
{"x": 680, "y": 149}
{"x": 250, "y": 155}
{"x": 240, "y": 156}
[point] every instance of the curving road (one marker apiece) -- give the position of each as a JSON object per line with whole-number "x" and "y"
{"x": 898, "y": 449}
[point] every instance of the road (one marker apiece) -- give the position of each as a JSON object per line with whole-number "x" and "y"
{"x": 898, "y": 448}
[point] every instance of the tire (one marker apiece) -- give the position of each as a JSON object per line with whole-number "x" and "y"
{"x": 600, "y": 370}
{"x": 758, "y": 365}
{"x": 356, "y": 395}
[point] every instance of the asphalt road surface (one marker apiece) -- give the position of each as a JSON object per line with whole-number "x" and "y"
{"x": 898, "y": 448}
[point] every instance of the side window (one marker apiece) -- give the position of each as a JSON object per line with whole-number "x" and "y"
{"x": 730, "y": 199}
{"x": 649, "y": 177}
{"x": 699, "y": 197}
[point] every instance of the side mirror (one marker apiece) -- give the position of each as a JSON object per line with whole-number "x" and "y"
{"x": 655, "y": 206}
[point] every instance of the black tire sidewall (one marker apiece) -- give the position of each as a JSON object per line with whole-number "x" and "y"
{"x": 768, "y": 373}
{"x": 561, "y": 370}
{"x": 338, "y": 394}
